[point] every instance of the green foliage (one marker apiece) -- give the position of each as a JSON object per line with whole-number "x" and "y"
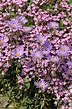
{"x": 28, "y": 3}
{"x": 22, "y": 59}
{"x": 9, "y": 85}
{"x": 27, "y": 83}
{"x": 61, "y": 24}
{"x": 70, "y": 18}
{"x": 30, "y": 22}
{"x": 47, "y": 6}
{"x": 70, "y": 1}
{"x": 11, "y": 13}
{"x": 28, "y": 97}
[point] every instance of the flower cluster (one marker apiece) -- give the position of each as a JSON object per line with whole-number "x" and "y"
{"x": 40, "y": 39}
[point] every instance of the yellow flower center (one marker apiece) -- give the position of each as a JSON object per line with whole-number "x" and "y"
{"x": 27, "y": 30}
{"x": 2, "y": 41}
{"x": 52, "y": 59}
{"x": 41, "y": 40}
{"x": 20, "y": 20}
{"x": 13, "y": 25}
{"x": 17, "y": 54}
{"x": 43, "y": 52}
{"x": 61, "y": 55}
{"x": 71, "y": 64}
{"x": 41, "y": 85}
{"x": 36, "y": 56}
{"x": 52, "y": 26}
{"x": 62, "y": 49}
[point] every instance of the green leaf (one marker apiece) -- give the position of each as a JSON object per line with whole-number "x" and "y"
{"x": 27, "y": 83}
{"x": 23, "y": 107}
{"x": 26, "y": 80}
{"x": 22, "y": 59}
{"x": 61, "y": 24}
{"x": 70, "y": 18}
{"x": 70, "y": 1}
{"x": 51, "y": 10}
{"x": 54, "y": 98}
{"x": 11, "y": 13}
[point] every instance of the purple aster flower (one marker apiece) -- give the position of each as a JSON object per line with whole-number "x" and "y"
{"x": 18, "y": 52}
{"x": 26, "y": 29}
{"x": 45, "y": 52}
{"x": 69, "y": 63}
{"x": 41, "y": 84}
{"x": 13, "y": 25}
{"x": 47, "y": 44}
{"x": 63, "y": 51}
{"x": 53, "y": 25}
{"x": 3, "y": 41}
{"x": 46, "y": 48}
{"x": 36, "y": 55}
{"x": 41, "y": 39}
{"x": 64, "y": 48}
{"x": 21, "y": 19}
{"x": 54, "y": 59}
